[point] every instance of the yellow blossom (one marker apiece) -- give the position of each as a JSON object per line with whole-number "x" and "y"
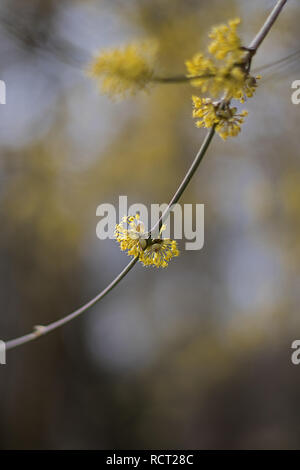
{"x": 124, "y": 71}
{"x": 226, "y": 120}
{"x": 226, "y": 42}
{"x": 204, "y": 109}
{"x": 225, "y": 75}
{"x": 203, "y": 69}
{"x": 234, "y": 83}
{"x": 134, "y": 238}
{"x": 159, "y": 252}
{"x": 137, "y": 242}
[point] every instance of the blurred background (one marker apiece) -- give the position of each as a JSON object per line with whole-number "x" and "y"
{"x": 194, "y": 356}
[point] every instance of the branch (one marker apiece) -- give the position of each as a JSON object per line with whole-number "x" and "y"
{"x": 178, "y": 79}
{"x": 186, "y": 179}
{"x": 43, "y": 330}
{"x": 252, "y": 48}
{"x": 254, "y": 45}
{"x": 282, "y": 61}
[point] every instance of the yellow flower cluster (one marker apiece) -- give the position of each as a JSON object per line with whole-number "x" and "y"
{"x": 134, "y": 240}
{"x": 225, "y": 41}
{"x": 202, "y": 70}
{"x": 126, "y": 70}
{"x": 225, "y": 73}
{"x": 226, "y": 119}
{"x": 159, "y": 252}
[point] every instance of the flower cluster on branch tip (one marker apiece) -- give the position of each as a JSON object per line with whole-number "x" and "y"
{"x": 132, "y": 237}
{"x": 223, "y": 76}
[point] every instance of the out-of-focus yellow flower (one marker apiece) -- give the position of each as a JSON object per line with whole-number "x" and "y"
{"x": 124, "y": 71}
{"x": 226, "y": 42}
{"x": 233, "y": 83}
{"x": 203, "y": 69}
{"x": 226, "y": 120}
{"x": 227, "y": 74}
{"x": 137, "y": 242}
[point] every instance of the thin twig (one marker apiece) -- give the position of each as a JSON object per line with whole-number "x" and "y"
{"x": 43, "y": 330}
{"x": 186, "y": 180}
{"x": 288, "y": 58}
{"x": 179, "y": 78}
{"x": 252, "y": 48}
{"x": 254, "y": 45}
